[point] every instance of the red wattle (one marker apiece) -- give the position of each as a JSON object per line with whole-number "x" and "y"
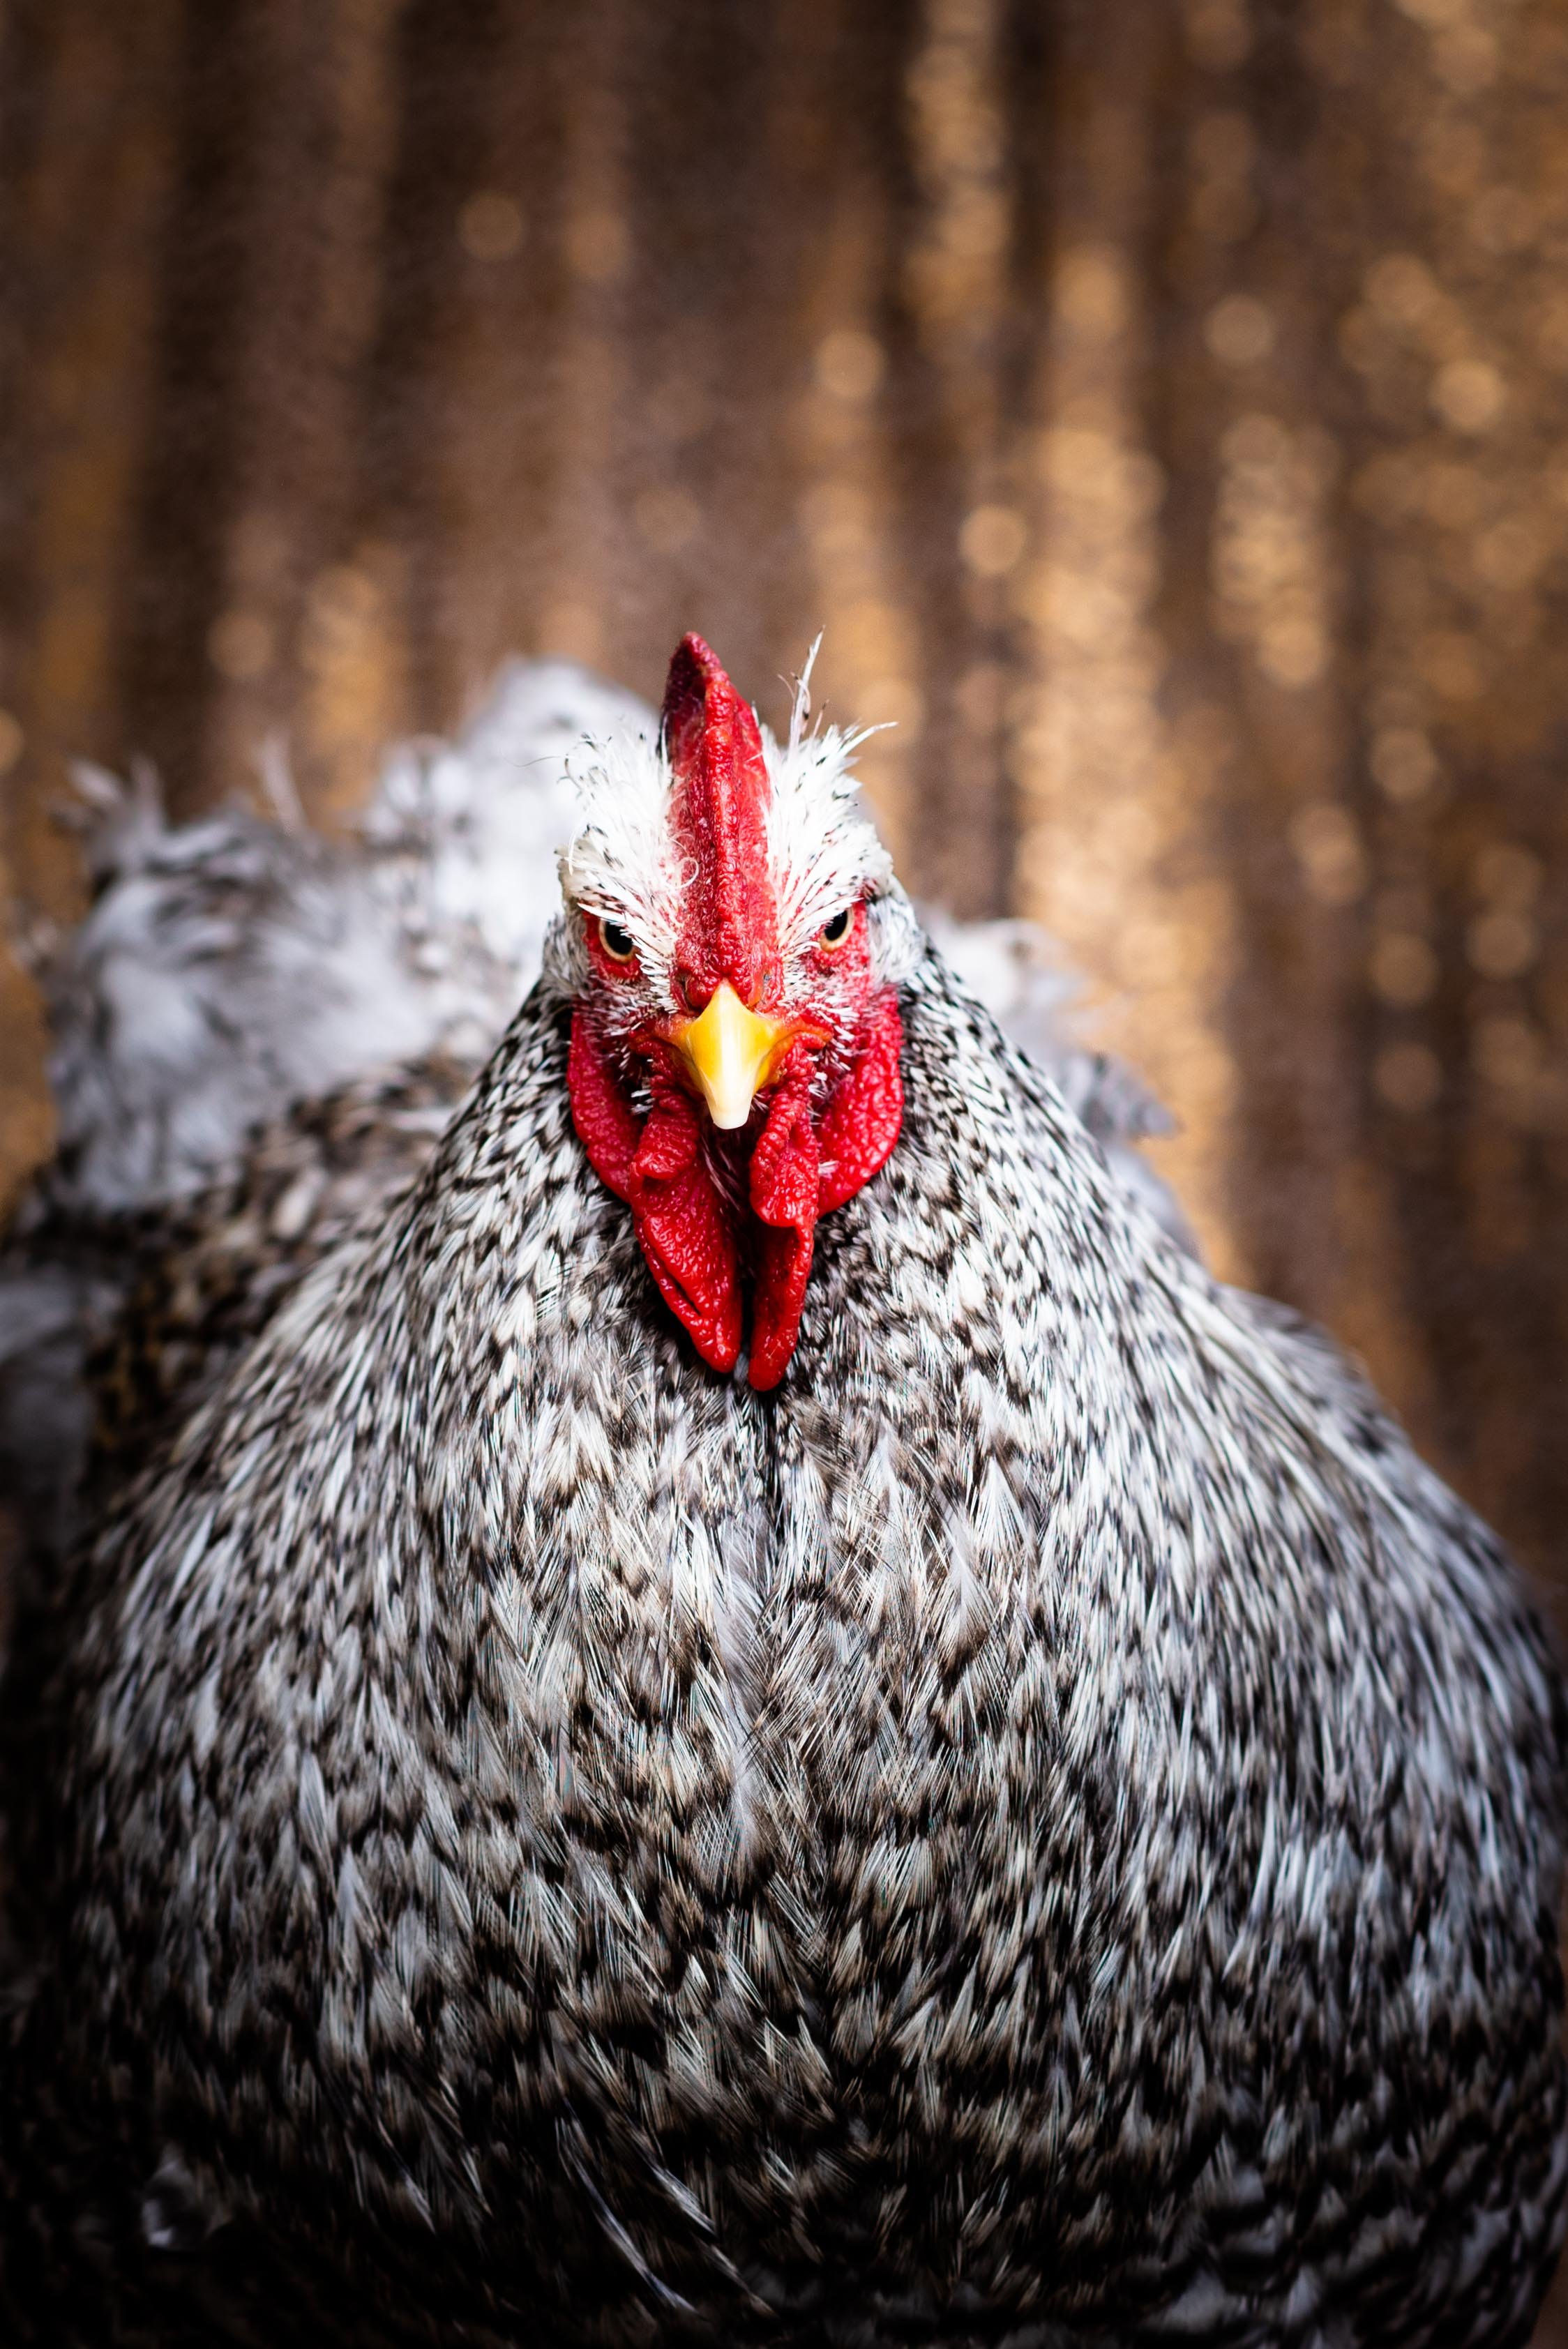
{"x": 786, "y": 1179}
{"x": 798, "y": 1171}
{"x": 656, "y": 1166}
{"x": 860, "y": 1123}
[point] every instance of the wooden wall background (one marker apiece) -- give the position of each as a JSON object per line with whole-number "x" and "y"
{"x": 1164, "y": 407}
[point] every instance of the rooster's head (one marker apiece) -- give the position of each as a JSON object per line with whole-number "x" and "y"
{"x": 732, "y": 939}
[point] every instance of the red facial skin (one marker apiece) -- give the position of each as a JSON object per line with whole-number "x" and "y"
{"x": 712, "y": 1210}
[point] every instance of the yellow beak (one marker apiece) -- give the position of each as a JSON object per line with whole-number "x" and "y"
{"x": 730, "y": 1052}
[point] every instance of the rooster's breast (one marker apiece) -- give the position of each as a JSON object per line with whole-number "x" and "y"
{"x": 1011, "y": 1820}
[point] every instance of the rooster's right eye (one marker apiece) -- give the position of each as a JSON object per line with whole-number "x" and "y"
{"x": 619, "y": 944}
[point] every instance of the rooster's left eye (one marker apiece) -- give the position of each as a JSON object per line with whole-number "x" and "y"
{"x": 619, "y": 944}
{"x": 833, "y": 933}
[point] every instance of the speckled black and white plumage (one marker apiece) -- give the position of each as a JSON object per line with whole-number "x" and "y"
{"x": 1043, "y": 1829}
{"x": 238, "y": 977}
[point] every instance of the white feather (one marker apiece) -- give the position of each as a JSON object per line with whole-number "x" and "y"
{"x": 823, "y": 852}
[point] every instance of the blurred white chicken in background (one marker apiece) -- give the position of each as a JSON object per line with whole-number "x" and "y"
{"x": 235, "y": 965}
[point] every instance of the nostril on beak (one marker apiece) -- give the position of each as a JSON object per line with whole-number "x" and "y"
{"x": 691, "y": 989}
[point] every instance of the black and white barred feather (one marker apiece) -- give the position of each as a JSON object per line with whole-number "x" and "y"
{"x": 1044, "y": 1830}
{"x": 241, "y": 987}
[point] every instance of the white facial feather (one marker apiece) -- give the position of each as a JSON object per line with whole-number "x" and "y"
{"x": 624, "y": 866}
{"x": 822, "y": 852}
{"x": 622, "y": 863}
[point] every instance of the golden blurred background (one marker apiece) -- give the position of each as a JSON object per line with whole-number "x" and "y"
{"x": 1164, "y": 409}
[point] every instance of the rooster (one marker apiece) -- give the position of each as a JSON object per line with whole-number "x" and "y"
{"x": 758, "y": 1713}
{"x": 259, "y": 1035}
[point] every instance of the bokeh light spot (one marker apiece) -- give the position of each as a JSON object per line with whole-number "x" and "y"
{"x": 1404, "y": 969}
{"x": 1503, "y": 944}
{"x": 1403, "y": 765}
{"x": 1407, "y": 1076}
{"x": 993, "y": 539}
{"x": 490, "y": 225}
{"x": 1329, "y": 850}
{"x": 1468, "y": 394}
{"x": 849, "y": 364}
{"x": 1239, "y": 331}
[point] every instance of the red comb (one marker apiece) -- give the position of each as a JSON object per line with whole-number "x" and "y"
{"x": 720, "y": 816}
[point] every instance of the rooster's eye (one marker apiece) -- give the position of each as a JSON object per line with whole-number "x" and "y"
{"x": 833, "y": 933}
{"x": 619, "y": 944}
